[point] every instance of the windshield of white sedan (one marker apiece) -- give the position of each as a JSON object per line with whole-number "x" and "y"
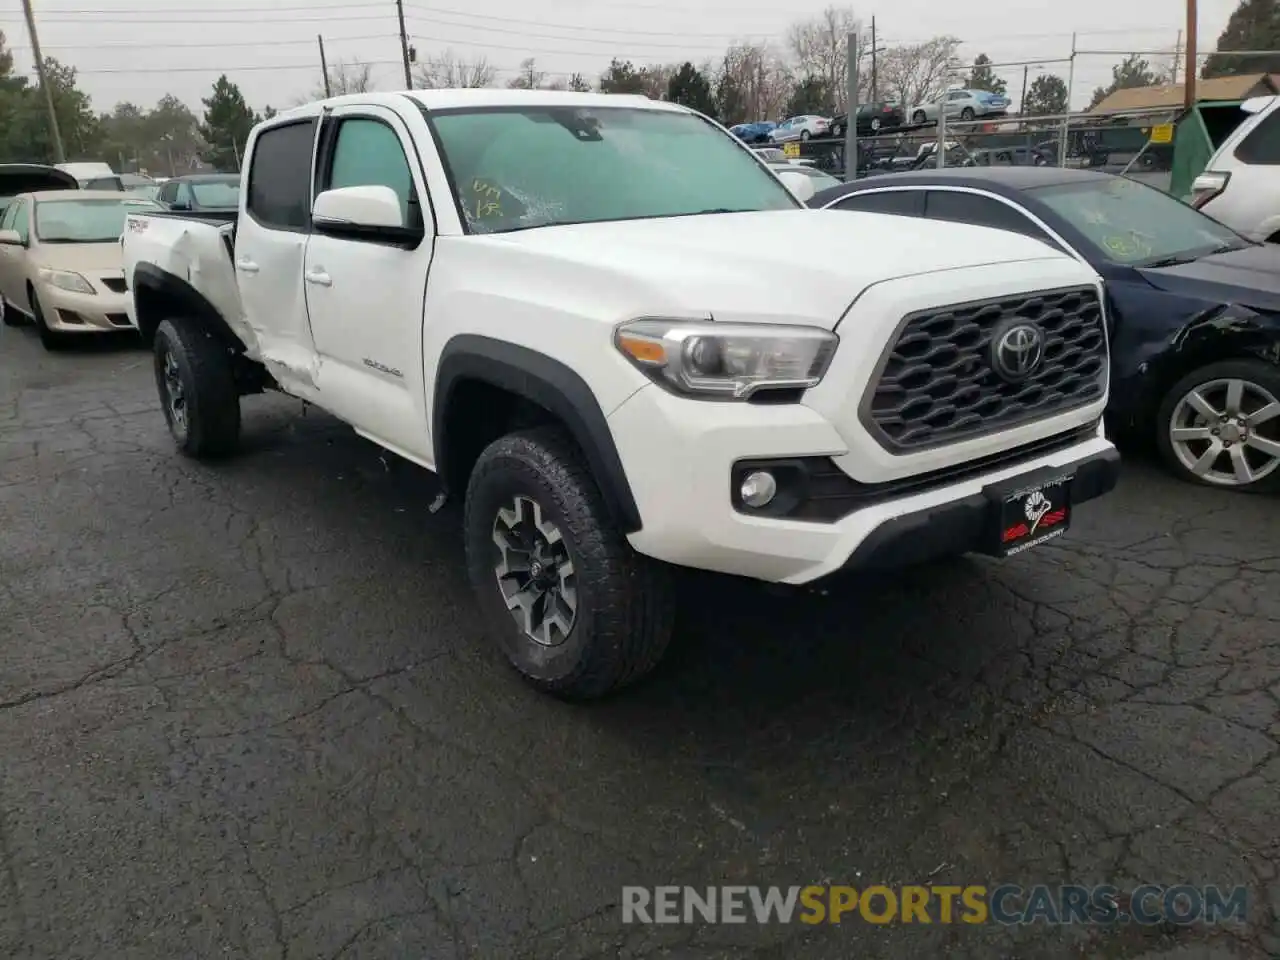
{"x": 217, "y": 193}
{"x": 85, "y": 221}
{"x": 513, "y": 169}
{"x": 1134, "y": 224}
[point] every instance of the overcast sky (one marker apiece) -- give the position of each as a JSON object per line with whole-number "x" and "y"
{"x": 138, "y": 50}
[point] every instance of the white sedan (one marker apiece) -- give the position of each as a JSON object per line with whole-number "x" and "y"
{"x": 800, "y": 128}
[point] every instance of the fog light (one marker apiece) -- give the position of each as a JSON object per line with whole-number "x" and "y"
{"x": 758, "y": 488}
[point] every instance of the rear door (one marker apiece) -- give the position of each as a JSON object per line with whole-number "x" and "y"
{"x": 270, "y": 248}
{"x": 365, "y": 297}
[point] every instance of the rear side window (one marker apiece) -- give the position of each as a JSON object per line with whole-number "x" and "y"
{"x": 280, "y": 177}
{"x": 979, "y": 211}
{"x": 904, "y": 203}
{"x": 1261, "y": 145}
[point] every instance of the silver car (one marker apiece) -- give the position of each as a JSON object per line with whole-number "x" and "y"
{"x": 962, "y": 105}
{"x": 800, "y": 128}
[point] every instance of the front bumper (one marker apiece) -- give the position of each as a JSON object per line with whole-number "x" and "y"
{"x": 679, "y": 456}
{"x": 67, "y": 312}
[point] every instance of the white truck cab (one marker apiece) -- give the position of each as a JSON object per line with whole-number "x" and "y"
{"x": 612, "y": 331}
{"x": 1240, "y": 186}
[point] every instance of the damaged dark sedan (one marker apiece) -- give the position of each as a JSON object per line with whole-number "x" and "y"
{"x": 1194, "y": 307}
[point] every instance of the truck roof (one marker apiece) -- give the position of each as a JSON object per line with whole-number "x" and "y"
{"x": 486, "y": 97}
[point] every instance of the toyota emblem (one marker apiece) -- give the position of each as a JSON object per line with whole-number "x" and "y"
{"x": 1017, "y": 351}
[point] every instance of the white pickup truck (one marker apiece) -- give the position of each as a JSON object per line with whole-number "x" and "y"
{"x": 611, "y": 329}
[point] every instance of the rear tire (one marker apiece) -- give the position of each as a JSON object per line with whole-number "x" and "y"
{"x": 572, "y": 606}
{"x": 919, "y": 117}
{"x": 197, "y": 389}
{"x": 967, "y": 113}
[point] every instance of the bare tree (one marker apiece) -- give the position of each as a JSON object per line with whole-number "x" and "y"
{"x": 760, "y": 77}
{"x": 343, "y": 78}
{"x": 920, "y": 72}
{"x": 820, "y": 46}
{"x": 529, "y": 78}
{"x": 450, "y": 71}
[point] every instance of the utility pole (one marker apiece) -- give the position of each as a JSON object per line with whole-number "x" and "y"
{"x": 1066, "y": 117}
{"x": 1189, "y": 87}
{"x": 874, "y": 97}
{"x": 59, "y": 156}
{"x": 404, "y": 46}
{"x": 1022, "y": 101}
{"x": 851, "y": 119}
{"x": 324, "y": 67}
{"x": 1177, "y": 60}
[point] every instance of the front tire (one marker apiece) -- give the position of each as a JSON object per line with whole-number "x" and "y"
{"x": 573, "y": 607}
{"x": 51, "y": 340}
{"x": 805, "y": 135}
{"x": 967, "y": 113}
{"x": 919, "y": 117}
{"x": 8, "y": 316}
{"x": 1220, "y": 426}
{"x": 197, "y": 389}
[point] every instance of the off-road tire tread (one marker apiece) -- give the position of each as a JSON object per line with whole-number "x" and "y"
{"x": 1258, "y": 371}
{"x": 213, "y": 401}
{"x": 635, "y": 601}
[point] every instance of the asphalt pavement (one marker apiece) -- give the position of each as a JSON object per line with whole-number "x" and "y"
{"x": 246, "y": 711}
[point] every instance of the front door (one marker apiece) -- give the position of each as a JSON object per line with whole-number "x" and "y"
{"x": 13, "y": 286}
{"x": 365, "y": 298}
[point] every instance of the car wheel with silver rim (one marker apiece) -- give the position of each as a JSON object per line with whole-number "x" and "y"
{"x": 1220, "y": 426}
{"x": 571, "y": 605}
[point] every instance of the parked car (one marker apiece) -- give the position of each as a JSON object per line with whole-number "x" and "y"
{"x": 1240, "y": 185}
{"x": 202, "y": 193}
{"x": 1194, "y": 306}
{"x": 60, "y": 262}
{"x": 800, "y": 128}
{"x": 873, "y": 118}
{"x": 777, "y": 155}
{"x": 16, "y": 178}
{"x": 962, "y": 105}
{"x": 1010, "y": 157}
{"x": 562, "y": 385}
{"x": 757, "y": 132}
{"x": 820, "y": 180}
{"x": 92, "y": 175}
{"x": 139, "y": 185}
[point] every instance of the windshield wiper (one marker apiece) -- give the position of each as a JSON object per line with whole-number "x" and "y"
{"x": 1174, "y": 261}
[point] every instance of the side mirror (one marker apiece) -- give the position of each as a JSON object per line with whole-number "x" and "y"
{"x": 363, "y": 213}
{"x": 11, "y": 238}
{"x": 801, "y": 186}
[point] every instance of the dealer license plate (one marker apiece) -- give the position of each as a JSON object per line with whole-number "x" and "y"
{"x": 1033, "y": 514}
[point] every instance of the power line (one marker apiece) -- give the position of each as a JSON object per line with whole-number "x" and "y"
{"x": 607, "y": 41}
{"x": 151, "y": 45}
{"x": 432, "y": 13}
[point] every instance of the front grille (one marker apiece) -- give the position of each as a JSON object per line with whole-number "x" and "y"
{"x": 937, "y": 383}
{"x": 115, "y": 284}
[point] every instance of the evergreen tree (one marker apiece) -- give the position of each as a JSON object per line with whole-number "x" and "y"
{"x": 1046, "y": 97}
{"x": 227, "y": 122}
{"x": 982, "y": 77}
{"x": 1255, "y": 25}
{"x": 690, "y": 88}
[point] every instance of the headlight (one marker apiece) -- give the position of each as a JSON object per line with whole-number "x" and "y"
{"x": 727, "y": 360}
{"x": 66, "y": 280}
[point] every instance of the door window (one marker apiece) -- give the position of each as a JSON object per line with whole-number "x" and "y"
{"x": 6, "y": 222}
{"x": 1262, "y": 144}
{"x": 904, "y": 203}
{"x": 979, "y": 211}
{"x": 368, "y": 153}
{"x": 22, "y": 220}
{"x": 183, "y": 196}
{"x": 280, "y": 177}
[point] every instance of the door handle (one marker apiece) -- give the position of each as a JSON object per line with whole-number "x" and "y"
{"x": 245, "y": 265}
{"x": 318, "y": 277}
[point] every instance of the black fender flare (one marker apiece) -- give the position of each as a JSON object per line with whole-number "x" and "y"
{"x": 178, "y": 296}
{"x": 551, "y": 385}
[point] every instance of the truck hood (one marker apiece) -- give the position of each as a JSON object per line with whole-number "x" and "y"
{"x": 804, "y": 264}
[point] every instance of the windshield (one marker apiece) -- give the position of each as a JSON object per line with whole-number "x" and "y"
{"x": 1131, "y": 223}
{"x": 85, "y": 221}
{"x": 516, "y": 168}
{"x": 217, "y": 193}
